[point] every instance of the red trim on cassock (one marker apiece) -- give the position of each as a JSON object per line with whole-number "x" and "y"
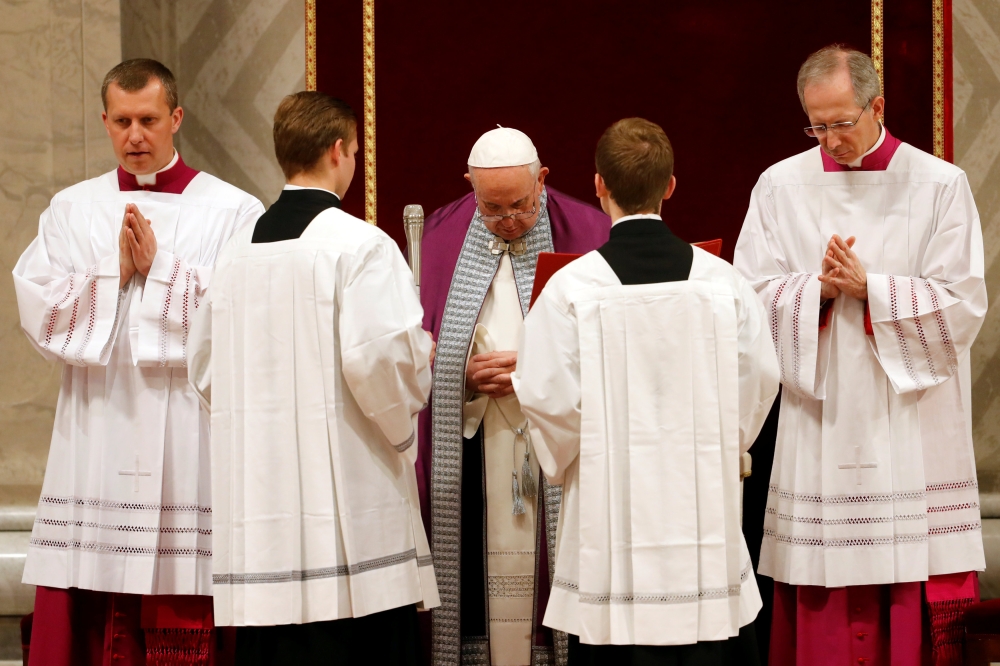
{"x": 74, "y": 627}
{"x": 948, "y": 597}
{"x": 172, "y": 181}
{"x": 948, "y": 587}
{"x": 824, "y": 314}
{"x": 906, "y": 623}
{"x": 877, "y": 161}
{"x": 177, "y": 611}
{"x": 868, "y": 321}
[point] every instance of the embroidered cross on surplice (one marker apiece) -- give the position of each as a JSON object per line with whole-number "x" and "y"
{"x": 857, "y": 465}
{"x": 135, "y": 474}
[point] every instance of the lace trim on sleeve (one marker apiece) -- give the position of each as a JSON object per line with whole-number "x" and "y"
{"x": 165, "y": 313}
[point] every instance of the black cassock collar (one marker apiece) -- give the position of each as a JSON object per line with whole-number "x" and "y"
{"x": 645, "y": 251}
{"x": 289, "y": 216}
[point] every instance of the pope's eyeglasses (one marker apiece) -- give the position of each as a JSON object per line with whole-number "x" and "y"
{"x": 521, "y": 215}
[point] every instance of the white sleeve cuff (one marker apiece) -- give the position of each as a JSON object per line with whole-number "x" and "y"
{"x": 472, "y": 414}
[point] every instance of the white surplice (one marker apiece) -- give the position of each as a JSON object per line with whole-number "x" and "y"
{"x": 311, "y": 354}
{"x": 874, "y": 478}
{"x": 510, "y": 539}
{"x": 643, "y": 398}
{"x": 126, "y": 501}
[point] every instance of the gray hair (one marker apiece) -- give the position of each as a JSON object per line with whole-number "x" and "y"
{"x": 533, "y": 168}
{"x": 829, "y": 60}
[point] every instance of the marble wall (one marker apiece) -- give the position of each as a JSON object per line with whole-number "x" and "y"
{"x": 977, "y": 150}
{"x": 234, "y": 61}
{"x": 55, "y": 54}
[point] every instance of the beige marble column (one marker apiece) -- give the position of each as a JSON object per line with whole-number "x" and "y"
{"x": 55, "y": 54}
{"x": 234, "y": 60}
{"x": 976, "y": 31}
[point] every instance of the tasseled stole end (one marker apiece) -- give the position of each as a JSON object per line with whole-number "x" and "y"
{"x": 171, "y": 647}
{"x": 518, "y": 502}
{"x": 528, "y": 486}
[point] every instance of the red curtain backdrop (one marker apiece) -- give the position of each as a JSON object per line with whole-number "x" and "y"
{"x": 718, "y": 75}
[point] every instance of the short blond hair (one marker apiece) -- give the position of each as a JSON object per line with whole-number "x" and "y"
{"x": 134, "y": 75}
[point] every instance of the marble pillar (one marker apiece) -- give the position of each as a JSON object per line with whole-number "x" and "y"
{"x": 976, "y": 34}
{"x": 234, "y": 60}
{"x": 55, "y": 55}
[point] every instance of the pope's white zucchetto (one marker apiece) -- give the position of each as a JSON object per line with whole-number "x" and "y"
{"x": 503, "y": 147}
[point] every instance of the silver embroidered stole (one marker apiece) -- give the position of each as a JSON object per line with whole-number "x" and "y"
{"x": 470, "y": 283}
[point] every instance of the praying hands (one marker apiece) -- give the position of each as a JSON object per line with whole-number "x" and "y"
{"x": 136, "y": 245}
{"x": 842, "y": 271}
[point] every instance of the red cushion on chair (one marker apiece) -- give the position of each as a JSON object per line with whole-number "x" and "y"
{"x": 983, "y": 618}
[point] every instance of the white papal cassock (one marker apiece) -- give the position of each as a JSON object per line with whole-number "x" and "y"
{"x": 874, "y": 479}
{"x": 313, "y": 358}
{"x": 642, "y": 398}
{"x": 510, "y": 538}
{"x": 126, "y": 502}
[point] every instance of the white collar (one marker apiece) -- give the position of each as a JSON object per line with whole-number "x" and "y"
{"x": 290, "y": 187}
{"x": 881, "y": 138}
{"x": 637, "y": 217}
{"x": 150, "y": 178}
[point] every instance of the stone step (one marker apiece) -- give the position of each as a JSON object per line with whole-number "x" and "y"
{"x": 17, "y": 507}
{"x": 989, "y": 504}
{"x": 15, "y": 598}
{"x": 10, "y": 641}
{"x": 989, "y": 580}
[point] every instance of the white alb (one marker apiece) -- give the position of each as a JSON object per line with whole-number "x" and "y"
{"x": 126, "y": 503}
{"x": 642, "y": 399}
{"x": 312, "y": 357}
{"x": 874, "y": 477}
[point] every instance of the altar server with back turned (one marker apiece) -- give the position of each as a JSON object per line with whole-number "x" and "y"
{"x": 310, "y": 353}
{"x": 868, "y": 255}
{"x": 645, "y": 370}
{"x": 122, "y": 543}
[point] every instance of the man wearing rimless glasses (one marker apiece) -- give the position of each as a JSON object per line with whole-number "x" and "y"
{"x": 845, "y": 140}
{"x": 868, "y": 255}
